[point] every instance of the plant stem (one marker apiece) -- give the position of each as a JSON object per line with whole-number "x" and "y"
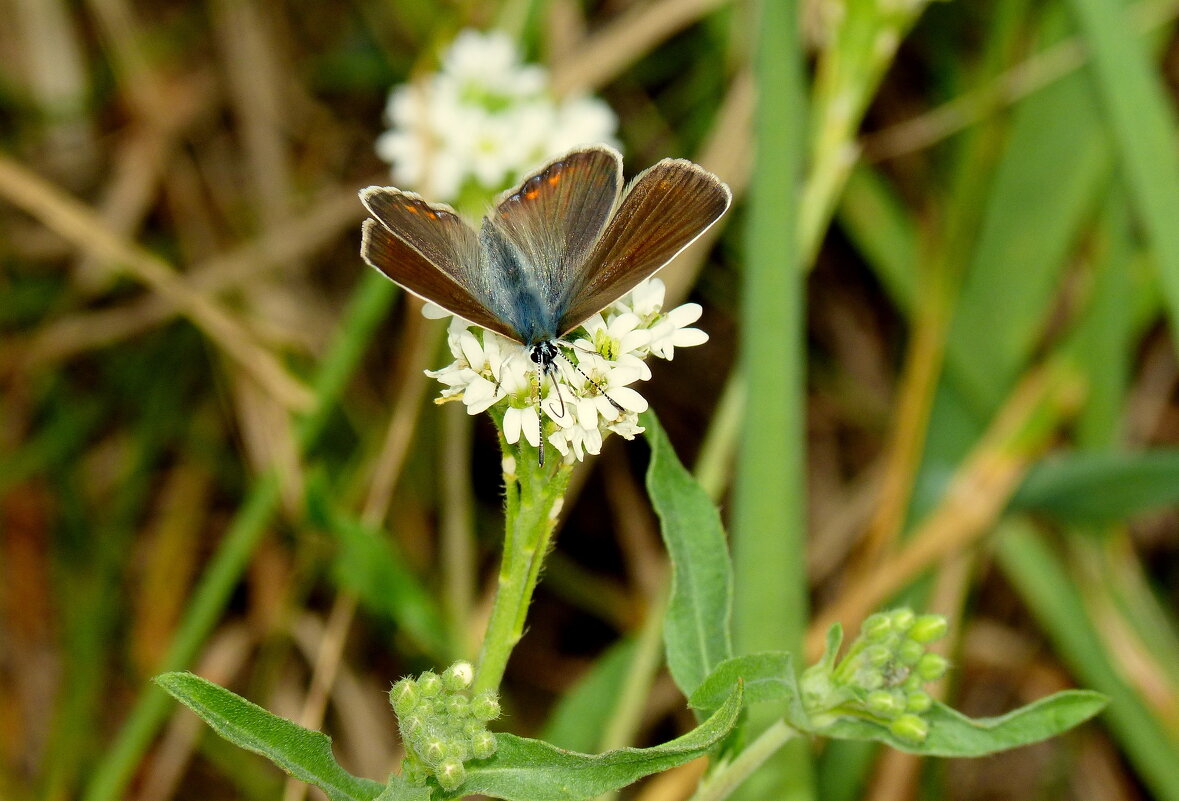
{"x": 729, "y": 777}
{"x": 533, "y": 502}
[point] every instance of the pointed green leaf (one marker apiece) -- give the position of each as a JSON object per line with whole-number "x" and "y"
{"x": 304, "y": 754}
{"x": 696, "y": 633}
{"x": 531, "y": 770}
{"x": 952, "y": 734}
{"x": 398, "y": 789}
{"x": 765, "y": 676}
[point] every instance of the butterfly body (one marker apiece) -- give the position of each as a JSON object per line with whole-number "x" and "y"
{"x": 519, "y": 295}
{"x": 563, "y": 245}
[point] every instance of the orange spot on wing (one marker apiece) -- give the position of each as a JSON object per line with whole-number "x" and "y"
{"x": 431, "y": 215}
{"x": 410, "y": 209}
{"x": 554, "y": 178}
{"x": 530, "y": 194}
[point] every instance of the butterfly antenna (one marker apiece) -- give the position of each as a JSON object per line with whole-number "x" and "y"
{"x": 597, "y": 386}
{"x": 539, "y": 411}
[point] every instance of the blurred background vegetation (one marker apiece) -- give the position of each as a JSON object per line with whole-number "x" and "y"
{"x": 955, "y": 361}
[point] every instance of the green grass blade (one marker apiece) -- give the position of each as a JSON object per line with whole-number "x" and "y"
{"x": 769, "y": 527}
{"x": 1137, "y": 111}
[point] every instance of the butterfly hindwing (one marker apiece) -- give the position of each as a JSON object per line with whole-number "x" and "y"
{"x": 430, "y": 251}
{"x": 664, "y": 209}
{"x": 550, "y": 222}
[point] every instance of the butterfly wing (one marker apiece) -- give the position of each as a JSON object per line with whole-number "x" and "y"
{"x": 540, "y": 234}
{"x": 431, "y": 252}
{"x": 664, "y": 209}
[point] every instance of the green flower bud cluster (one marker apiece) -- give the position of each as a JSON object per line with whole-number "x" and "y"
{"x": 443, "y": 725}
{"x": 882, "y": 676}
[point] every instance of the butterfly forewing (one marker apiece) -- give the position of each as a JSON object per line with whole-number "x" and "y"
{"x": 433, "y": 254}
{"x": 663, "y": 210}
{"x": 553, "y": 219}
{"x": 433, "y": 229}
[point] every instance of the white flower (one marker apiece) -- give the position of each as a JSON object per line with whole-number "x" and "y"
{"x": 646, "y": 299}
{"x": 483, "y": 121}
{"x": 671, "y": 331}
{"x": 588, "y": 391}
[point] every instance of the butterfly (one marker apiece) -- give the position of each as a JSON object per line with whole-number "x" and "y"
{"x": 554, "y": 251}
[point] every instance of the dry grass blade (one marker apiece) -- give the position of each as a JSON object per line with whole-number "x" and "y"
{"x": 277, "y": 247}
{"x": 625, "y": 40}
{"x": 78, "y": 224}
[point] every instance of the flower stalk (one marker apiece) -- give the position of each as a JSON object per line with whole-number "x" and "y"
{"x": 534, "y": 494}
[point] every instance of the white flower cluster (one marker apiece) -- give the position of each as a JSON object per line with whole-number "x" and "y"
{"x": 483, "y": 121}
{"x": 599, "y": 361}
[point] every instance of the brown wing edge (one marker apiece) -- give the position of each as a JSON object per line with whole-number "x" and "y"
{"x": 601, "y": 148}
{"x": 405, "y": 266}
{"x": 595, "y": 298}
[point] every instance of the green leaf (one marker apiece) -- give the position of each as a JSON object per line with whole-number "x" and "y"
{"x": 304, "y": 754}
{"x": 1101, "y": 487}
{"x": 765, "y": 676}
{"x": 952, "y": 734}
{"x": 398, "y": 789}
{"x": 531, "y": 770}
{"x": 696, "y": 633}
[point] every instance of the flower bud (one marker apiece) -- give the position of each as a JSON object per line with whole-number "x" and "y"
{"x": 910, "y": 727}
{"x": 883, "y": 703}
{"x": 483, "y": 744}
{"x": 918, "y": 702}
{"x": 877, "y": 655}
{"x": 472, "y": 727}
{"x": 458, "y": 706}
{"x": 450, "y": 774}
{"x": 902, "y": 619}
{"x": 403, "y": 697}
{"x": 458, "y": 676}
{"x": 485, "y": 705}
{"x": 928, "y": 628}
{"x": 909, "y": 652}
{"x": 458, "y": 748}
{"x": 869, "y": 679}
{"x": 429, "y": 684}
{"x": 876, "y": 627}
{"x": 435, "y": 751}
{"x": 411, "y": 724}
{"x": 932, "y": 666}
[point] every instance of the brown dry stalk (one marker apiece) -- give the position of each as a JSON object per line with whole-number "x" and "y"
{"x": 626, "y": 39}
{"x": 276, "y": 247}
{"x": 973, "y": 501}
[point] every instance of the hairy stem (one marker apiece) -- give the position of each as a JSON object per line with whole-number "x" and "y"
{"x": 533, "y": 501}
